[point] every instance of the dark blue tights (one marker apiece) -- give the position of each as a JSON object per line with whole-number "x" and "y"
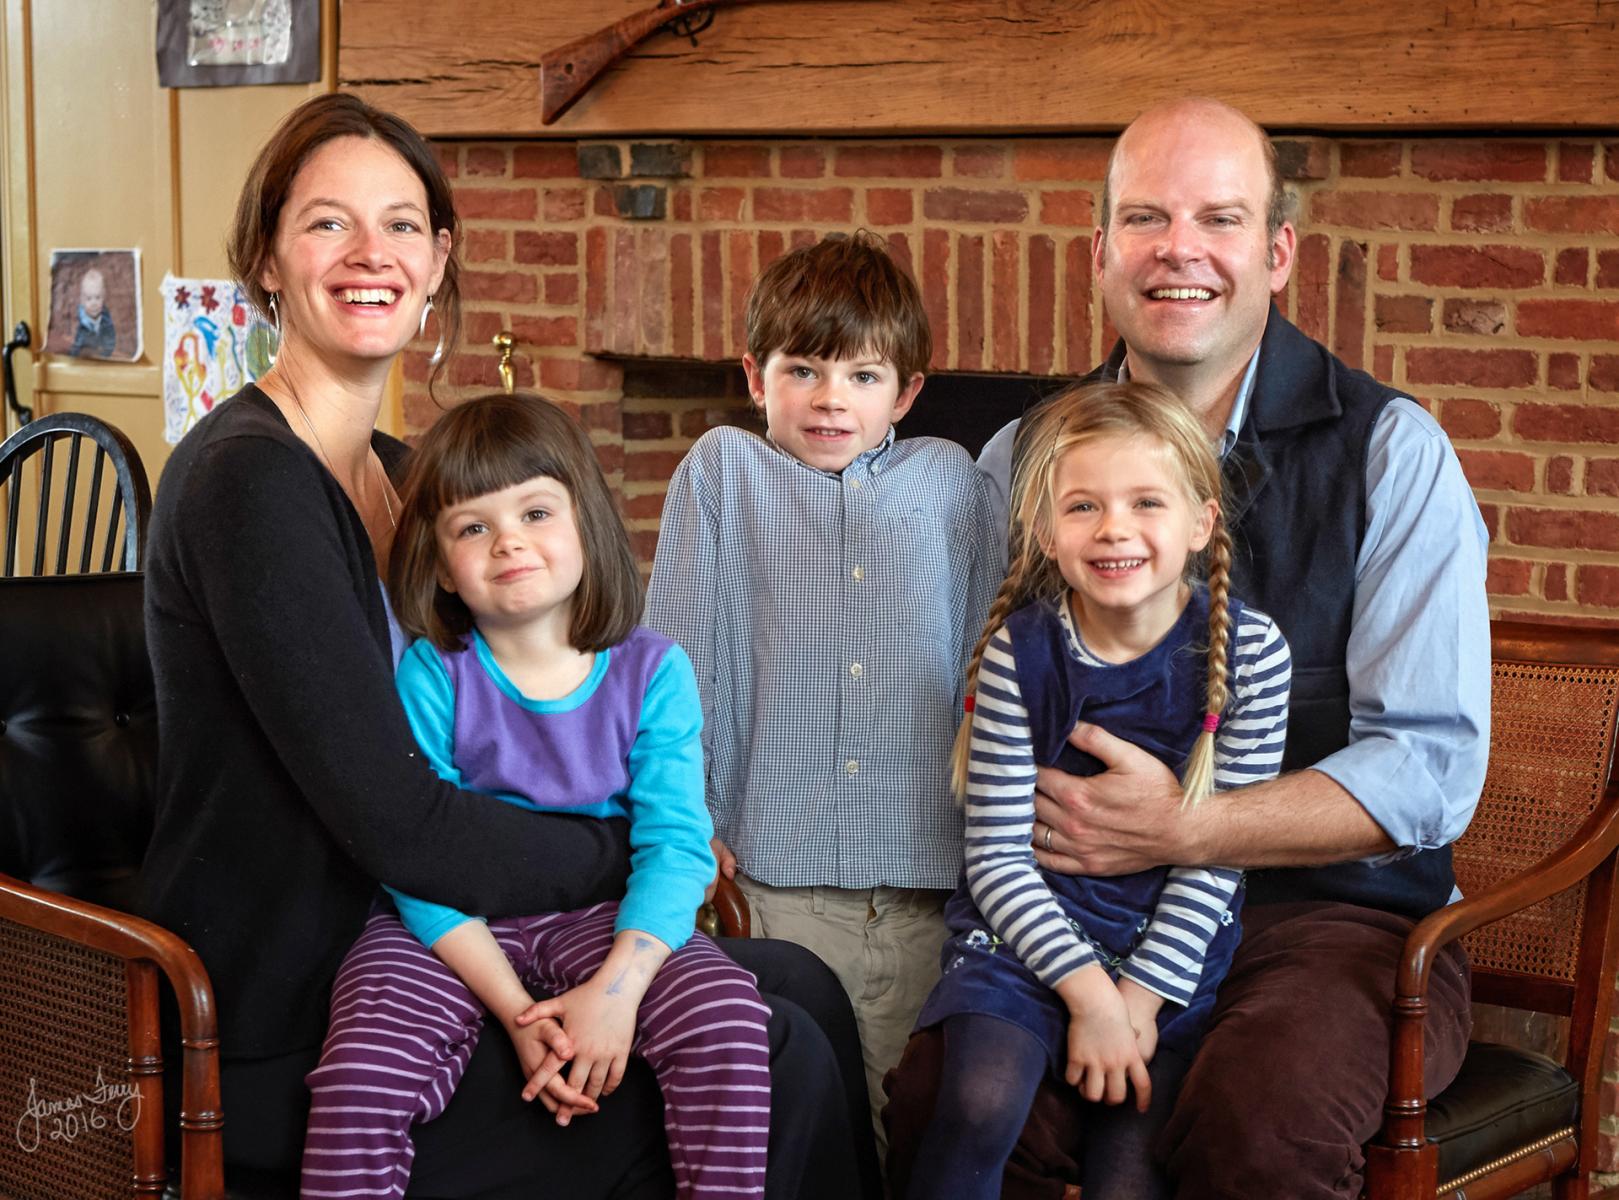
{"x": 987, "y": 1081}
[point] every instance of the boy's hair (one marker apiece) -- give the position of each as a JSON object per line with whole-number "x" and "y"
{"x": 486, "y": 445}
{"x": 1076, "y": 415}
{"x": 840, "y": 298}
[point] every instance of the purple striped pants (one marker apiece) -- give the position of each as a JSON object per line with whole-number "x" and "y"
{"x": 403, "y": 1027}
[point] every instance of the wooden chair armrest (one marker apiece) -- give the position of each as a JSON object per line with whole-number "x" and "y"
{"x": 726, "y": 915}
{"x": 1576, "y": 859}
{"x": 144, "y": 945}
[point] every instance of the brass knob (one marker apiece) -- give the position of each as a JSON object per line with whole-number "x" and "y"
{"x": 504, "y": 342}
{"x": 708, "y": 920}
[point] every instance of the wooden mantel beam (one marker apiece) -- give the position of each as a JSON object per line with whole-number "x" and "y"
{"x": 467, "y": 68}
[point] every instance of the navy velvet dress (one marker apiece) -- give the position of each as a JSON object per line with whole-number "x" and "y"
{"x": 1156, "y": 702}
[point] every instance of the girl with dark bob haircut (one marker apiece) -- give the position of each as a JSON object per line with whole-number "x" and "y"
{"x": 289, "y": 784}
{"x": 530, "y": 680}
{"x": 487, "y": 445}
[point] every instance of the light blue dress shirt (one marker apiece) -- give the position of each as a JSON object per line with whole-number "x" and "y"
{"x": 829, "y": 617}
{"x": 1419, "y": 646}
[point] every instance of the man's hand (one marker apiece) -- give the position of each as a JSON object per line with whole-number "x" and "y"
{"x": 1130, "y": 818}
{"x": 1103, "y": 1060}
{"x": 724, "y": 863}
{"x": 1126, "y": 819}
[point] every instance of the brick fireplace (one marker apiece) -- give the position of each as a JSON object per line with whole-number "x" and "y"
{"x": 1482, "y": 274}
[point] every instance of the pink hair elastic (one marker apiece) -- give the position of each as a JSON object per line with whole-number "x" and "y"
{"x": 1211, "y": 722}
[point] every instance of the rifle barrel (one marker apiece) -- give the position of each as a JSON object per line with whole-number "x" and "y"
{"x": 567, "y": 72}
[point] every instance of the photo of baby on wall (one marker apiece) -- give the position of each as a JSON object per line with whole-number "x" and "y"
{"x": 95, "y": 304}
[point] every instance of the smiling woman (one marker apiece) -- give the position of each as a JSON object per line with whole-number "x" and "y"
{"x": 290, "y": 785}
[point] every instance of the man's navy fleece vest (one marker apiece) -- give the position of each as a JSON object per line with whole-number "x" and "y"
{"x": 1295, "y": 497}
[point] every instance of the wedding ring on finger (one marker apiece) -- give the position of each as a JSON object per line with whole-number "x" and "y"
{"x": 1048, "y": 839}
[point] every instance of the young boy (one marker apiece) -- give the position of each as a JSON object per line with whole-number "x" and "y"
{"x": 829, "y": 583}
{"x": 94, "y": 335}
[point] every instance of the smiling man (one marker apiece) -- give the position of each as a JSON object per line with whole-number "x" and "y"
{"x": 1355, "y": 529}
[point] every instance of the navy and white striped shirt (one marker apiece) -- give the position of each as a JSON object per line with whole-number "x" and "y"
{"x": 1002, "y": 873}
{"x": 829, "y": 618}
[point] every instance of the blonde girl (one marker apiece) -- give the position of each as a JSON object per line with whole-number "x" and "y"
{"x": 532, "y": 681}
{"x": 1106, "y": 982}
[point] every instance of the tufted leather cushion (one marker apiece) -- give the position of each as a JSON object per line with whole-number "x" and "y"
{"x": 78, "y": 734}
{"x": 78, "y": 751}
{"x": 1501, "y": 1100}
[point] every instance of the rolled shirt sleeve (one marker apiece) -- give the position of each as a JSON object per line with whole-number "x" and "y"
{"x": 1419, "y": 648}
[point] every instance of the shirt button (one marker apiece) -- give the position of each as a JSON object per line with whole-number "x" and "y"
{"x": 856, "y": 670}
{"x": 855, "y": 484}
{"x": 859, "y": 573}
{"x": 851, "y": 767}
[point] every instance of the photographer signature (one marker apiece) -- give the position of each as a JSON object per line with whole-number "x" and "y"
{"x": 65, "y": 1119}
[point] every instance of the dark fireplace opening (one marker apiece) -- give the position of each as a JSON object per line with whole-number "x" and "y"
{"x": 681, "y": 399}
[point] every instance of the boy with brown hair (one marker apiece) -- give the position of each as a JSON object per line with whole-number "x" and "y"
{"x": 828, "y": 583}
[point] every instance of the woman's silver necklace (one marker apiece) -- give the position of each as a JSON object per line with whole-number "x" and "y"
{"x": 321, "y": 446}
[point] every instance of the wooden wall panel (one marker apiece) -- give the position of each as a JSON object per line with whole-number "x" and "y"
{"x": 468, "y": 67}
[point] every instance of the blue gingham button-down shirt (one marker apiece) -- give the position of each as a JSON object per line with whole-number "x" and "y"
{"x": 829, "y": 618}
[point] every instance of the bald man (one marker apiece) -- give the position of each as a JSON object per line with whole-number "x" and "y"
{"x": 1356, "y": 531}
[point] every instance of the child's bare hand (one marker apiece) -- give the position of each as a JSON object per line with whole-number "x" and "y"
{"x": 1103, "y": 1059}
{"x": 564, "y": 1101}
{"x": 1143, "y": 1007}
{"x": 600, "y": 1025}
{"x": 544, "y": 1049}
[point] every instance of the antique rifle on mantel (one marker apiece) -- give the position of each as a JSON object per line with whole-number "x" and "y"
{"x": 567, "y": 72}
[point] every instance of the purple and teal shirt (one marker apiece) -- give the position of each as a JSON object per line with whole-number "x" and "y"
{"x": 627, "y": 742}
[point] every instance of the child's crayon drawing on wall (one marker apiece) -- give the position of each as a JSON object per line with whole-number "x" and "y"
{"x": 214, "y": 342}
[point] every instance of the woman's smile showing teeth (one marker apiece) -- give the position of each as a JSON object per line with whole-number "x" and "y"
{"x": 380, "y": 296}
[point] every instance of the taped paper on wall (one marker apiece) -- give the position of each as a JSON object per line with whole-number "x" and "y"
{"x": 214, "y": 342}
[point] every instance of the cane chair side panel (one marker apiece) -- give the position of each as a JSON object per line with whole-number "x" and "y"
{"x": 1551, "y": 746}
{"x": 65, "y": 1069}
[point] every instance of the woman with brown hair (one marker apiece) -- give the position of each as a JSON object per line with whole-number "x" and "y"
{"x": 289, "y": 781}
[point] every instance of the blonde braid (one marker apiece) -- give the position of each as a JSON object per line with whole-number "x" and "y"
{"x": 1199, "y": 779}
{"x": 1016, "y": 590}
{"x": 1030, "y": 574}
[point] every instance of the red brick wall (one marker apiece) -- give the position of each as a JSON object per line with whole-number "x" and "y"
{"x": 1480, "y": 274}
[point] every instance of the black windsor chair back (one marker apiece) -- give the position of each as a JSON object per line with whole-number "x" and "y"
{"x": 98, "y": 508}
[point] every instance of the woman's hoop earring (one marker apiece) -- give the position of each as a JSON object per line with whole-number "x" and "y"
{"x": 275, "y": 325}
{"x": 427, "y": 311}
{"x": 438, "y": 350}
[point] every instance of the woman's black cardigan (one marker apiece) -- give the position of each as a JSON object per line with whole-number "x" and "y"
{"x": 289, "y": 783}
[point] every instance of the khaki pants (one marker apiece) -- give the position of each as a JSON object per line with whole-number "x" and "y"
{"x": 883, "y": 945}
